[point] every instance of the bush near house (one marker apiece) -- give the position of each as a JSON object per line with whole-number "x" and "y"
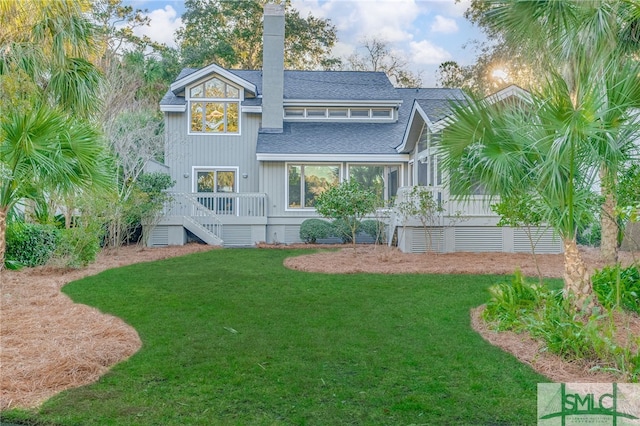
{"x": 342, "y": 229}
{"x": 347, "y": 203}
{"x": 375, "y": 229}
{"x": 312, "y": 230}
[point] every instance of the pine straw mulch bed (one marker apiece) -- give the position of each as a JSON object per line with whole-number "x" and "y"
{"x": 49, "y": 344}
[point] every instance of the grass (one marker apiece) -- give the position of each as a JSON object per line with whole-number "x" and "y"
{"x": 232, "y": 337}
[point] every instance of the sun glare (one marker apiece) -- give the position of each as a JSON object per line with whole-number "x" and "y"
{"x": 499, "y": 74}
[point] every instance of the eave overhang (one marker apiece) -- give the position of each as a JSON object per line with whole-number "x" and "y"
{"x": 173, "y": 108}
{"x": 341, "y": 103}
{"x": 417, "y": 120}
{"x": 369, "y": 158}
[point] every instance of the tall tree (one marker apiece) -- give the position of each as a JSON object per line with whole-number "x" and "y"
{"x": 229, "y": 33}
{"x": 115, "y": 24}
{"x": 48, "y": 93}
{"x": 376, "y": 55}
{"x": 583, "y": 119}
{"x": 451, "y": 74}
{"x": 137, "y": 73}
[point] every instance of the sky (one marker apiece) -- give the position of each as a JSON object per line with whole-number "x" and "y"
{"x": 425, "y": 32}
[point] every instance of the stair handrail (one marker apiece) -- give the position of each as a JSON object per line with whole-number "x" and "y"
{"x": 198, "y": 210}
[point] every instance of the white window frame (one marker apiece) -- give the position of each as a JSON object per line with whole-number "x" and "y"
{"x": 302, "y": 113}
{"x": 385, "y": 174}
{"x": 205, "y": 100}
{"x": 286, "y": 182}
{"x": 215, "y": 169}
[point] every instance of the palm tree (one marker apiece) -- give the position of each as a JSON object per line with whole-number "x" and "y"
{"x": 579, "y": 41}
{"x": 550, "y": 146}
{"x": 48, "y": 93}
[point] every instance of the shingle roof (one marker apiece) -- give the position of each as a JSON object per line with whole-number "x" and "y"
{"x": 436, "y": 103}
{"x": 355, "y": 138}
{"x": 338, "y": 85}
{"x": 339, "y": 137}
{"x": 316, "y": 85}
{"x": 330, "y": 138}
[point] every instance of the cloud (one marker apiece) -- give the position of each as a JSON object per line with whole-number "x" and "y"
{"x": 388, "y": 20}
{"x": 455, "y": 8}
{"x": 426, "y": 53}
{"x": 444, "y": 25}
{"x": 163, "y": 25}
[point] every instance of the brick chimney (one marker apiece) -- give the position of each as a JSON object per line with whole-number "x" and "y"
{"x": 273, "y": 68}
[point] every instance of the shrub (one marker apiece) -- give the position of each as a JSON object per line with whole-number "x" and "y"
{"x": 375, "y": 229}
{"x": 590, "y": 235}
{"x": 618, "y": 286}
{"x": 30, "y": 244}
{"x": 348, "y": 202}
{"x": 79, "y": 246}
{"x": 560, "y": 326}
{"x": 552, "y": 318}
{"x": 312, "y": 230}
{"x": 510, "y": 301}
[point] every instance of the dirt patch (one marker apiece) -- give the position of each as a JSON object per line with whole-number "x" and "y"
{"x": 49, "y": 344}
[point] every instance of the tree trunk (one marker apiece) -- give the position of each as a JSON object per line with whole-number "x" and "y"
{"x": 3, "y": 235}
{"x": 577, "y": 281}
{"x": 608, "y": 222}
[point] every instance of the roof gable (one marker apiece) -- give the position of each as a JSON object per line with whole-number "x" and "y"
{"x": 428, "y": 107}
{"x": 189, "y": 76}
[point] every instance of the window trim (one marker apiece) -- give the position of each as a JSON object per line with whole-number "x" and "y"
{"x": 216, "y": 169}
{"x": 287, "y": 207}
{"x": 302, "y": 113}
{"x": 386, "y": 167}
{"x": 205, "y": 100}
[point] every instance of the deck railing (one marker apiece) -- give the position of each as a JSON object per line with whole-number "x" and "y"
{"x": 474, "y": 206}
{"x": 242, "y": 204}
{"x": 227, "y": 204}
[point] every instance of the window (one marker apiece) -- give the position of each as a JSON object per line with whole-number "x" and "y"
{"x": 359, "y": 113}
{"x": 381, "y": 113}
{"x": 294, "y": 112}
{"x": 382, "y": 180}
{"x": 429, "y": 167}
{"x": 344, "y": 113}
{"x": 306, "y": 181}
{"x": 211, "y": 185}
{"x": 338, "y": 112}
{"x": 214, "y": 107}
{"x": 316, "y": 112}
{"x": 215, "y": 180}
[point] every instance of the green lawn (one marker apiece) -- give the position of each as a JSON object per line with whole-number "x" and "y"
{"x": 232, "y": 337}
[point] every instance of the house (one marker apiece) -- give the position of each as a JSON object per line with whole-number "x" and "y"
{"x": 250, "y": 151}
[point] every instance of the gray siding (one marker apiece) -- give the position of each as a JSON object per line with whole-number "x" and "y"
{"x": 478, "y": 239}
{"x": 237, "y": 235}
{"x": 183, "y": 151}
{"x": 546, "y": 241}
{"x": 433, "y": 239}
{"x": 412, "y": 239}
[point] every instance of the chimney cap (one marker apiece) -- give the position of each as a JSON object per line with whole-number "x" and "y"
{"x": 274, "y": 9}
